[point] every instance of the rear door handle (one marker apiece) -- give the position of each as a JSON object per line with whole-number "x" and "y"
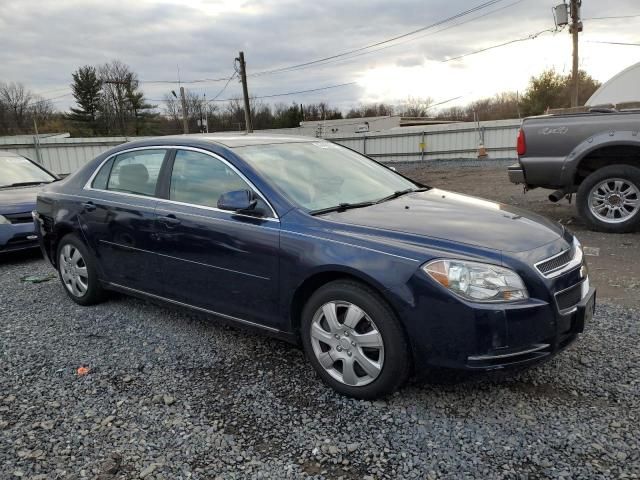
{"x": 89, "y": 206}
{"x": 170, "y": 221}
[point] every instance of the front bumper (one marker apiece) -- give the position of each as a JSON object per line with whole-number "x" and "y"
{"x": 17, "y": 236}
{"x": 449, "y": 333}
{"x": 577, "y": 319}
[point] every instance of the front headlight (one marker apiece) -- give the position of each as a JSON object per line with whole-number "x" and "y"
{"x": 4, "y": 221}
{"x": 477, "y": 282}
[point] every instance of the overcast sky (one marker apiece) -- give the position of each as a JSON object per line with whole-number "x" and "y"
{"x": 43, "y": 42}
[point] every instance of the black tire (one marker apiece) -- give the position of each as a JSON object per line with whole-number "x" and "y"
{"x": 624, "y": 172}
{"x": 94, "y": 292}
{"x": 396, "y": 363}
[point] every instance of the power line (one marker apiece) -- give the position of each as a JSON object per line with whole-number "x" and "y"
{"x": 293, "y": 93}
{"x": 614, "y": 43}
{"x": 43, "y": 100}
{"x": 360, "y": 54}
{"x": 510, "y": 42}
{"x": 214, "y": 99}
{"x": 350, "y": 52}
{"x": 612, "y": 18}
{"x": 200, "y": 80}
{"x": 382, "y": 42}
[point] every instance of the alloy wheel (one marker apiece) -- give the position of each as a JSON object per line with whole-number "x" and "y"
{"x": 347, "y": 343}
{"x": 73, "y": 270}
{"x": 614, "y": 200}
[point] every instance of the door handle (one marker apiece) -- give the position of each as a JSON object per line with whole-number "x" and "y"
{"x": 170, "y": 221}
{"x": 89, "y": 206}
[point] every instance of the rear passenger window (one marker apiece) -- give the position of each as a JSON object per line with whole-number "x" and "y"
{"x": 101, "y": 179}
{"x": 136, "y": 172}
{"x": 200, "y": 179}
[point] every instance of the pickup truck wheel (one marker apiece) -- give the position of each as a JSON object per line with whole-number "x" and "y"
{"x": 609, "y": 199}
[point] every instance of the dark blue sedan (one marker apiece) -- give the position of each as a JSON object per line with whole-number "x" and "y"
{"x": 377, "y": 277}
{"x": 20, "y": 181}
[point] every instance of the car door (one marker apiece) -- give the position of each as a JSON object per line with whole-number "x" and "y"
{"x": 118, "y": 218}
{"x": 213, "y": 259}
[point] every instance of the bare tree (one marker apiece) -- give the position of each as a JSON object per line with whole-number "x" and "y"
{"x": 16, "y": 100}
{"x": 196, "y": 111}
{"x": 416, "y": 106}
{"x": 122, "y": 104}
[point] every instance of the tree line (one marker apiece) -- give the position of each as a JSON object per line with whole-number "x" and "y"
{"x": 109, "y": 101}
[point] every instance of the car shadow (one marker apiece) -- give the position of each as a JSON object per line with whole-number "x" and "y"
{"x": 21, "y": 256}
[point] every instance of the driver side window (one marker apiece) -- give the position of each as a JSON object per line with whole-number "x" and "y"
{"x": 201, "y": 179}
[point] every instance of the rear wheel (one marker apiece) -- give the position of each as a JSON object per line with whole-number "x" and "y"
{"x": 354, "y": 341}
{"x": 77, "y": 271}
{"x": 609, "y": 199}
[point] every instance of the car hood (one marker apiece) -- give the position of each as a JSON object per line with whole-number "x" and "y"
{"x": 458, "y": 218}
{"x": 19, "y": 199}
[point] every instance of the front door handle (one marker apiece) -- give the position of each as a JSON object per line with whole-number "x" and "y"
{"x": 170, "y": 221}
{"x": 89, "y": 206}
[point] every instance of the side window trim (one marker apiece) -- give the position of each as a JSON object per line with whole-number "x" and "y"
{"x": 164, "y": 178}
{"x": 224, "y": 161}
{"x": 171, "y": 150}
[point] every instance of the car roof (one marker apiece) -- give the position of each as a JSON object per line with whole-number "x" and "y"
{"x": 234, "y": 140}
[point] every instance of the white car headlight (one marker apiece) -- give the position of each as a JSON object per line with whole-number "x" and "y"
{"x": 477, "y": 282}
{"x": 4, "y": 221}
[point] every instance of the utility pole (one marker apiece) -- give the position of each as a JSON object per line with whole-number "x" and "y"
{"x": 245, "y": 92}
{"x": 206, "y": 113}
{"x": 185, "y": 124}
{"x": 575, "y": 29}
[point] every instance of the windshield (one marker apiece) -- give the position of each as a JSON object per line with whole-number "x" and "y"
{"x": 320, "y": 175}
{"x": 18, "y": 170}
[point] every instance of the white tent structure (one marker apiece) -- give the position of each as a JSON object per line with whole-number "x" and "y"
{"x": 622, "y": 88}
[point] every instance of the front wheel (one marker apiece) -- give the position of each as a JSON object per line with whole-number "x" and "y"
{"x": 354, "y": 340}
{"x": 77, "y": 271}
{"x": 609, "y": 199}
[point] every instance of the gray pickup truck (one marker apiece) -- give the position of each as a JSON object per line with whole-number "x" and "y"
{"x": 594, "y": 154}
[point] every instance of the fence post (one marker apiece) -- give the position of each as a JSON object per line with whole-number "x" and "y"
{"x": 36, "y": 142}
{"x": 364, "y": 144}
{"x": 36, "y": 145}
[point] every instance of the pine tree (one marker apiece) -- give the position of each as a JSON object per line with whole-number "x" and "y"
{"x": 87, "y": 89}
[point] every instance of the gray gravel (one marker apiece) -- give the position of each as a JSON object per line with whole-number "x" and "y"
{"x": 171, "y": 395}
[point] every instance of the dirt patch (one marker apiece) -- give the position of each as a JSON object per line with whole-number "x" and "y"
{"x": 614, "y": 260}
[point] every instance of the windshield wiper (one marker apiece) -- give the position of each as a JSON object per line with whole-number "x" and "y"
{"x": 24, "y": 184}
{"x": 400, "y": 193}
{"x": 341, "y": 207}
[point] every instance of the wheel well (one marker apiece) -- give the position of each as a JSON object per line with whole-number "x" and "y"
{"x": 602, "y": 157}
{"x": 316, "y": 281}
{"x": 60, "y": 232}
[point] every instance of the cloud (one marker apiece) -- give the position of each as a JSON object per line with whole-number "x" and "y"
{"x": 44, "y": 42}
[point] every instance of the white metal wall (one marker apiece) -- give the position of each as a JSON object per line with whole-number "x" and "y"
{"x": 62, "y": 155}
{"x": 402, "y": 144}
{"x": 437, "y": 142}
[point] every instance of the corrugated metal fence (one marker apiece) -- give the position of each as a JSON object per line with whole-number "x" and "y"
{"x": 404, "y": 144}
{"x": 437, "y": 142}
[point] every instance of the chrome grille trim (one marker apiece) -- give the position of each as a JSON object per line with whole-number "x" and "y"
{"x": 562, "y": 262}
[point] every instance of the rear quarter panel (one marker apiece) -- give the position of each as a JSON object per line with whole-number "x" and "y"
{"x": 556, "y": 144}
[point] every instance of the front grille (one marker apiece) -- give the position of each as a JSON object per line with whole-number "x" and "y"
{"x": 19, "y": 217}
{"x": 555, "y": 263}
{"x": 569, "y": 298}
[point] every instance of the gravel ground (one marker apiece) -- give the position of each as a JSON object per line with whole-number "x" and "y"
{"x": 172, "y": 395}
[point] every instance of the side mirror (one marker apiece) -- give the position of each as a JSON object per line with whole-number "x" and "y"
{"x": 237, "y": 201}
